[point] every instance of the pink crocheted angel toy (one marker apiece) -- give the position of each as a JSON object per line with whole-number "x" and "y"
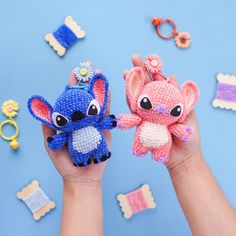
{"x": 158, "y": 110}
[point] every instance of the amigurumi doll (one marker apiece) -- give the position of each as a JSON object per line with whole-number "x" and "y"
{"x": 78, "y": 117}
{"x": 158, "y": 108}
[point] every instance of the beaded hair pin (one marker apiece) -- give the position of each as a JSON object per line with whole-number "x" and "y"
{"x": 182, "y": 39}
{"x": 10, "y": 110}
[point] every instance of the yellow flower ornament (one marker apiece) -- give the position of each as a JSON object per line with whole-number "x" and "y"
{"x": 10, "y": 110}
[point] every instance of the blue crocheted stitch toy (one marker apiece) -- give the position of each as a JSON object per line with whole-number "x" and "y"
{"x": 78, "y": 117}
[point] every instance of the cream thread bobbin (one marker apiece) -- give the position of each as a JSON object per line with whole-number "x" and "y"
{"x": 36, "y": 200}
{"x": 136, "y": 201}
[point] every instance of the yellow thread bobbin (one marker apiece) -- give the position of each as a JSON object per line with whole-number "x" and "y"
{"x": 9, "y": 109}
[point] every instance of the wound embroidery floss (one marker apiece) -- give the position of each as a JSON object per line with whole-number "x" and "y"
{"x": 65, "y": 36}
{"x": 36, "y": 200}
{"x": 182, "y": 39}
{"x": 136, "y": 201}
{"x": 226, "y": 92}
{"x": 10, "y": 110}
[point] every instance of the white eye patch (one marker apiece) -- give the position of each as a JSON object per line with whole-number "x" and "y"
{"x": 59, "y": 120}
{"x": 93, "y": 108}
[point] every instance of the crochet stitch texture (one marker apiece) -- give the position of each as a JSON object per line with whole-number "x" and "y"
{"x": 158, "y": 109}
{"x": 78, "y": 117}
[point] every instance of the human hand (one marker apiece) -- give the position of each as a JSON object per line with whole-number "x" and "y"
{"x": 180, "y": 151}
{"x": 88, "y": 175}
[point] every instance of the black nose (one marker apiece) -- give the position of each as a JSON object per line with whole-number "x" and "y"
{"x": 77, "y": 115}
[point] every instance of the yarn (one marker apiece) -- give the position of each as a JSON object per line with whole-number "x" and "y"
{"x": 36, "y": 200}
{"x": 79, "y": 116}
{"x": 65, "y": 36}
{"x": 158, "y": 109}
{"x": 136, "y": 201}
{"x": 226, "y": 92}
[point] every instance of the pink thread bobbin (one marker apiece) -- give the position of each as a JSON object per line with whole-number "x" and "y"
{"x": 136, "y": 201}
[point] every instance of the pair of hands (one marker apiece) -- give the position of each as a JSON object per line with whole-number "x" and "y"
{"x": 92, "y": 174}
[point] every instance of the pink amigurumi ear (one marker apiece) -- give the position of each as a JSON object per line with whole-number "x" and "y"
{"x": 190, "y": 94}
{"x": 40, "y": 109}
{"x": 134, "y": 85}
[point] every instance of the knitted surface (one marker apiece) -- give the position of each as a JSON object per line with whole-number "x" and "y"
{"x": 79, "y": 116}
{"x": 225, "y": 93}
{"x": 136, "y": 201}
{"x": 65, "y": 36}
{"x": 158, "y": 109}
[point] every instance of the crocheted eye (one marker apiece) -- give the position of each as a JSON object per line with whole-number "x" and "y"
{"x": 59, "y": 120}
{"x": 176, "y": 111}
{"x": 145, "y": 103}
{"x": 93, "y": 108}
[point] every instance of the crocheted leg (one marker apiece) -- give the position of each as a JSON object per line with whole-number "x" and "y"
{"x": 80, "y": 159}
{"x": 161, "y": 154}
{"x": 138, "y": 148}
{"x": 102, "y": 153}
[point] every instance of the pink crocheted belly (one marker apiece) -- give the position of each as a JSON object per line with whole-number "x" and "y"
{"x": 153, "y": 135}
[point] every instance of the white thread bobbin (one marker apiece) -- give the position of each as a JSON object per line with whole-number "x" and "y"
{"x": 36, "y": 200}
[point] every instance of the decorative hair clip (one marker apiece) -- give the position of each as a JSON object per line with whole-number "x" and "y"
{"x": 10, "y": 109}
{"x": 153, "y": 64}
{"x": 136, "y": 201}
{"x": 65, "y": 36}
{"x": 36, "y": 200}
{"x": 158, "y": 110}
{"x": 182, "y": 39}
{"x": 226, "y": 92}
{"x": 84, "y": 72}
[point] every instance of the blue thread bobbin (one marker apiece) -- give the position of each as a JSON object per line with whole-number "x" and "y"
{"x": 65, "y": 36}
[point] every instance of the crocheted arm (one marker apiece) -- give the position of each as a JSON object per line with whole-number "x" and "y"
{"x": 182, "y": 132}
{"x": 127, "y": 121}
{"x": 57, "y": 141}
{"x": 108, "y": 122}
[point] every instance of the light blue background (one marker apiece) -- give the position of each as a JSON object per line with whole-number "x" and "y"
{"x": 115, "y": 30}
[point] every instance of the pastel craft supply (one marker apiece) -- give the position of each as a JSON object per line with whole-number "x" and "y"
{"x": 226, "y": 92}
{"x": 182, "y": 39}
{"x": 10, "y": 110}
{"x": 158, "y": 110}
{"x": 136, "y": 201}
{"x": 79, "y": 118}
{"x": 36, "y": 200}
{"x": 66, "y": 35}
